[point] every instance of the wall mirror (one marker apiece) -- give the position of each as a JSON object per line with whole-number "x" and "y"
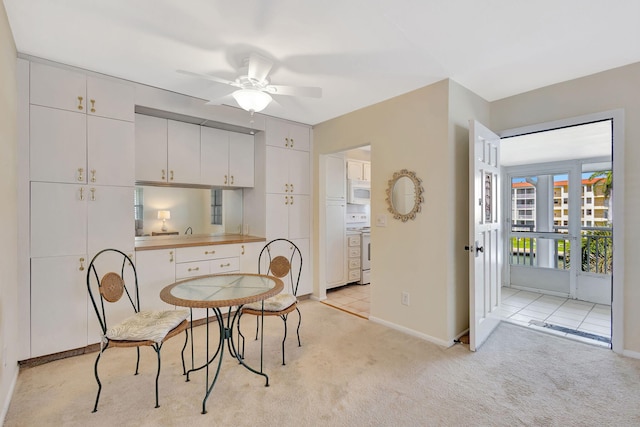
{"x": 193, "y": 211}
{"x": 404, "y": 195}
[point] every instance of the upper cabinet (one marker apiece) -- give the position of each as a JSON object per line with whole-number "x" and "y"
{"x": 72, "y": 91}
{"x": 226, "y": 158}
{"x": 183, "y": 152}
{"x": 358, "y": 169}
{"x": 151, "y": 148}
{"x": 287, "y": 135}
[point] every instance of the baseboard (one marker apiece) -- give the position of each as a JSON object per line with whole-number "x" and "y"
{"x": 411, "y": 332}
{"x": 7, "y": 398}
{"x": 632, "y": 354}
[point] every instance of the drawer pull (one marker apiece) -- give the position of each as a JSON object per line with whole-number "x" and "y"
{"x": 209, "y": 252}
{"x": 194, "y": 269}
{"x": 225, "y": 265}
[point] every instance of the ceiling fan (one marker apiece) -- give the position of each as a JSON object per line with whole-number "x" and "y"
{"x": 254, "y": 86}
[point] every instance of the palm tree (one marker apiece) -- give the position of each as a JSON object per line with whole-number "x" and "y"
{"x": 607, "y": 181}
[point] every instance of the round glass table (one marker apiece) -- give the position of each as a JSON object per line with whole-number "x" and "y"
{"x": 214, "y": 292}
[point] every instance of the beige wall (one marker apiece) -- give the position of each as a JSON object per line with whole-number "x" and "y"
{"x": 613, "y": 89}
{"x": 413, "y": 132}
{"x": 8, "y": 213}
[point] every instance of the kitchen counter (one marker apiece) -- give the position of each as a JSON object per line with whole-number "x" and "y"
{"x": 188, "y": 241}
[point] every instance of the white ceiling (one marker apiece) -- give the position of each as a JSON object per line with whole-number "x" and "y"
{"x": 359, "y": 51}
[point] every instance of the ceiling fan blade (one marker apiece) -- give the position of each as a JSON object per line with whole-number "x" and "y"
{"x": 310, "y": 92}
{"x": 259, "y": 67}
{"x": 207, "y": 77}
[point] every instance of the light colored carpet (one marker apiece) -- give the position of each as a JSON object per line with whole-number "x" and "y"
{"x": 348, "y": 372}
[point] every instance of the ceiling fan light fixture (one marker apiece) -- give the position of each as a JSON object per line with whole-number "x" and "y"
{"x": 251, "y": 99}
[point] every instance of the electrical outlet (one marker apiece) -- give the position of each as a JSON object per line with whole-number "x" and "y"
{"x": 405, "y": 298}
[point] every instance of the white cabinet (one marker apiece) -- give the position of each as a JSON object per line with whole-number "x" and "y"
{"x": 150, "y": 148}
{"x": 156, "y": 269}
{"x": 287, "y": 135}
{"x": 110, "y": 222}
{"x": 166, "y": 150}
{"x": 354, "y": 267}
{"x": 249, "y": 254}
{"x": 306, "y": 283}
{"x": 360, "y": 170}
{"x": 287, "y": 171}
{"x": 287, "y": 216}
{"x": 183, "y": 152}
{"x": 58, "y": 304}
{"x": 110, "y": 152}
{"x": 226, "y": 158}
{"x": 336, "y": 184}
{"x": 335, "y": 247}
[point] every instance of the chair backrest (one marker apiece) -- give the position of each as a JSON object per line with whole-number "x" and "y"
{"x": 282, "y": 258}
{"x": 112, "y": 278}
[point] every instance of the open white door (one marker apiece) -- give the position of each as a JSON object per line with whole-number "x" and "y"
{"x": 485, "y": 233}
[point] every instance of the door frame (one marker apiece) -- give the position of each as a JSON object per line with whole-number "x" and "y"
{"x": 617, "y": 117}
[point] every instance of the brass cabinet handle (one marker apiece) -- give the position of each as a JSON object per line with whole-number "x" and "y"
{"x": 209, "y": 252}
{"x": 93, "y": 105}
{"x": 242, "y": 253}
{"x": 81, "y": 264}
{"x": 170, "y": 256}
{"x": 225, "y": 179}
{"x": 286, "y": 144}
{"x": 225, "y": 265}
{"x": 291, "y": 185}
{"x": 193, "y": 269}
{"x": 291, "y": 145}
{"x": 93, "y": 175}
{"x": 291, "y": 202}
{"x": 231, "y": 179}
{"x": 81, "y": 193}
{"x": 286, "y": 188}
{"x": 93, "y": 194}
{"x": 164, "y": 175}
{"x": 171, "y": 173}
{"x": 286, "y": 200}
{"x": 80, "y": 176}
{"x": 80, "y": 107}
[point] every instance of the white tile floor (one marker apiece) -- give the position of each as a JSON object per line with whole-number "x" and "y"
{"x": 579, "y": 320}
{"x": 351, "y": 298}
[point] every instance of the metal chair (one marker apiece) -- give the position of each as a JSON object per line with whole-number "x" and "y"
{"x": 143, "y": 328}
{"x": 280, "y": 258}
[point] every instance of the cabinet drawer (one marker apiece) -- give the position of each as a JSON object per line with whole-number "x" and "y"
{"x": 203, "y": 253}
{"x": 224, "y": 265}
{"x": 191, "y": 269}
{"x": 354, "y": 252}
{"x": 354, "y": 263}
{"x": 354, "y": 241}
{"x": 354, "y": 275}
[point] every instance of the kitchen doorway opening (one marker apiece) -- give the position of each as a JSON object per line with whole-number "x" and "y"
{"x": 558, "y": 205}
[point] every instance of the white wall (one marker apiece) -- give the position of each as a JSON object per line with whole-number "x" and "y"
{"x": 8, "y": 214}
{"x": 609, "y": 90}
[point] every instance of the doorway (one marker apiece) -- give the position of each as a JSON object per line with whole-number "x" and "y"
{"x": 559, "y": 243}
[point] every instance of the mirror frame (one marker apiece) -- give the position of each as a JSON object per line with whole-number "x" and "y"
{"x": 419, "y": 199}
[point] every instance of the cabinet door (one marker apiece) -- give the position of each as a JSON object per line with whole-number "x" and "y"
{"x": 151, "y": 149}
{"x": 110, "y": 151}
{"x": 183, "y": 152}
{"x": 214, "y": 156}
{"x": 156, "y": 269}
{"x": 299, "y": 216}
{"x": 58, "y": 219}
{"x": 277, "y": 216}
{"x": 110, "y": 219}
{"x": 299, "y": 137}
{"x": 58, "y": 88}
{"x": 106, "y": 98}
{"x": 241, "y": 160}
{"x": 335, "y": 254}
{"x": 354, "y": 170}
{"x": 335, "y": 178}
{"x": 305, "y": 286}
{"x": 58, "y": 304}
{"x": 299, "y": 176}
{"x": 366, "y": 171}
{"x": 277, "y": 174}
{"x": 57, "y": 145}
{"x": 249, "y": 253}
{"x": 277, "y": 133}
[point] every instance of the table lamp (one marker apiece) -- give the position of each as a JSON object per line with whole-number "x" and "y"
{"x": 164, "y": 215}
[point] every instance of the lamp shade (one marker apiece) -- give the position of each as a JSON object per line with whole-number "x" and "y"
{"x": 252, "y": 99}
{"x": 164, "y": 214}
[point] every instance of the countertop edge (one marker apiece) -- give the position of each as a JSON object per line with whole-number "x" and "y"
{"x": 148, "y": 245}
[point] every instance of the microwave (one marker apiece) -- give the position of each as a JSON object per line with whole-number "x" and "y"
{"x": 359, "y": 192}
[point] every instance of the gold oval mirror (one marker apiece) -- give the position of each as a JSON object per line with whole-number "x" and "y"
{"x": 404, "y": 195}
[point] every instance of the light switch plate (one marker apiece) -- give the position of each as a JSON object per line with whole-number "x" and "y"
{"x": 381, "y": 220}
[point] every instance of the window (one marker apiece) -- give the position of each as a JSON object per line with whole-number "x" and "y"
{"x": 589, "y": 200}
{"x": 216, "y": 206}
{"x": 589, "y": 212}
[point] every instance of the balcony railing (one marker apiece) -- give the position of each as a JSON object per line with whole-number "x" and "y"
{"x": 596, "y": 248}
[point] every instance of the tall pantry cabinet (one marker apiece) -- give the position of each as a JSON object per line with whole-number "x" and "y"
{"x": 81, "y": 177}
